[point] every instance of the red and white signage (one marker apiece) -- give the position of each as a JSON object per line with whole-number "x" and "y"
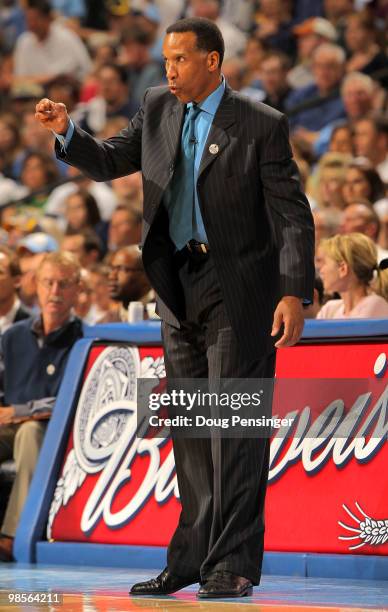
{"x": 326, "y": 493}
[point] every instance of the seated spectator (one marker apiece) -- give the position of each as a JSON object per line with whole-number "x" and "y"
{"x": 233, "y": 70}
{"x": 358, "y": 93}
{"x": 274, "y": 26}
{"x": 34, "y": 357}
{"x": 310, "y": 34}
{"x": 362, "y": 182}
{"x": 234, "y": 38}
{"x": 31, "y": 251}
{"x": 10, "y": 143}
{"x": 274, "y": 69}
{"x": 38, "y": 174}
{"x": 347, "y": 264}
{"x": 82, "y": 214}
{"x": 371, "y": 141}
{"x": 35, "y": 138}
{"x": 104, "y": 50}
{"x": 11, "y": 309}
{"x": 362, "y": 218}
{"x": 102, "y": 193}
{"x": 83, "y": 307}
{"x": 129, "y": 189}
{"x": 326, "y": 223}
{"x": 381, "y": 208}
{"x": 68, "y": 90}
{"x": 85, "y": 245}
{"x": 102, "y": 302}
{"x": 336, "y": 11}
{"x": 365, "y": 53}
{"x": 255, "y": 50}
{"x": 307, "y": 121}
{"x": 124, "y": 228}
{"x": 341, "y": 139}
{"x": 143, "y": 71}
{"x": 10, "y": 190}
{"x": 326, "y": 184}
{"x": 48, "y": 48}
{"x": 128, "y": 282}
{"x": 113, "y": 99}
{"x": 238, "y": 12}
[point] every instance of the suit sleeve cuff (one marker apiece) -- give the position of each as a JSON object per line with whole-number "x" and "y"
{"x": 64, "y": 140}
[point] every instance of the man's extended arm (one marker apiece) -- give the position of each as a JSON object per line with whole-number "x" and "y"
{"x": 101, "y": 160}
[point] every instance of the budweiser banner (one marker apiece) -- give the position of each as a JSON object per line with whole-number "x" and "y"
{"x": 327, "y": 490}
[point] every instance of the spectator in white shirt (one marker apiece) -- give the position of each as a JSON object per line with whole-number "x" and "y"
{"x": 48, "y": 48}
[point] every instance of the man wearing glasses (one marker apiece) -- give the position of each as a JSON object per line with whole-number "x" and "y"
{"x": 34, "y": 353}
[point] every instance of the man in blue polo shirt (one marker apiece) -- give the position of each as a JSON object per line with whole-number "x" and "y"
{"x": 33, "y": 358}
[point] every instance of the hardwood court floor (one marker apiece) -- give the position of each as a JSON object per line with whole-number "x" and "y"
{"x": 91, "y": 589}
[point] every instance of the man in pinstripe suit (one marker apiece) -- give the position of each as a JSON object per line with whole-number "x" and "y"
{"x": 230, "y": 278}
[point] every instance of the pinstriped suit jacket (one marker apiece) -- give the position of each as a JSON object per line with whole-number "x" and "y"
{"x": 257, "y": 220}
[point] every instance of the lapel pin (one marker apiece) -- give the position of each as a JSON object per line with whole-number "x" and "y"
{"x": 214, "y": 148}
{"x": 50, "y": 369}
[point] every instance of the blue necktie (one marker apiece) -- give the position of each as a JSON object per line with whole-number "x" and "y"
{"x": 182, "y": 185}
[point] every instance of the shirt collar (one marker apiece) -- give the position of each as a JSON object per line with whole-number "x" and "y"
{"x": 7, "y": 319}
{"x": 37, "y": 326}
{"x": 212, "y": 102}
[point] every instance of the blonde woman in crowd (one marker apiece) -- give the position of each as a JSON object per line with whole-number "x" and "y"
{"x": 325, "y": 185}
{"x": 348, "y": 265}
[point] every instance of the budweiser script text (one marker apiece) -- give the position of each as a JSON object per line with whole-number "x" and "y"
{"x": 337, "y": 434}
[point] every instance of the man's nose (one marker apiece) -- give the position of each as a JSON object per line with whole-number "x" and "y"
{"x": 171, "y": 72}
{"x": 56, "y": 287}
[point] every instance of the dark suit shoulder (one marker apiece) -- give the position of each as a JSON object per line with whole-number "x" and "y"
{"x": 253, "y": 107}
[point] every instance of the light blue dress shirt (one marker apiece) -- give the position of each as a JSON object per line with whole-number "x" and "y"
{"x": 64, "y": 140}
{"x": 203, "y": 123}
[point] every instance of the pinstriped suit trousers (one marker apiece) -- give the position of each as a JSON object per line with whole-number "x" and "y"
{"x": 222, "y": 481}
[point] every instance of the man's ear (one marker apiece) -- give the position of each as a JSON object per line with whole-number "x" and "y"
{"x": 213, "y": 61}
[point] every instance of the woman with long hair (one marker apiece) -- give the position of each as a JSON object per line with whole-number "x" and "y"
{"x": 347, "y": 265}
{"x": 362, "y": 181}
{"x": 82, "y": 213}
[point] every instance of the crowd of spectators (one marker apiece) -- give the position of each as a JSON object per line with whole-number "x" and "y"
{"x": 321, "y": 62}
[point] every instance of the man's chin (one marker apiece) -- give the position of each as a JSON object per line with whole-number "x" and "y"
{"x": 180, "y": 95}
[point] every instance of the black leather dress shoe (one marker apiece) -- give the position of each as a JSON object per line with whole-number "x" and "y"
{"x": 164, "y": 584}
{"x": 224, "y": 584}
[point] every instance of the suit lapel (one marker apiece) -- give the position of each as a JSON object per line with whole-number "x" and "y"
{"x": 174, "y": 128}
{"x": 223, "y": 119}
